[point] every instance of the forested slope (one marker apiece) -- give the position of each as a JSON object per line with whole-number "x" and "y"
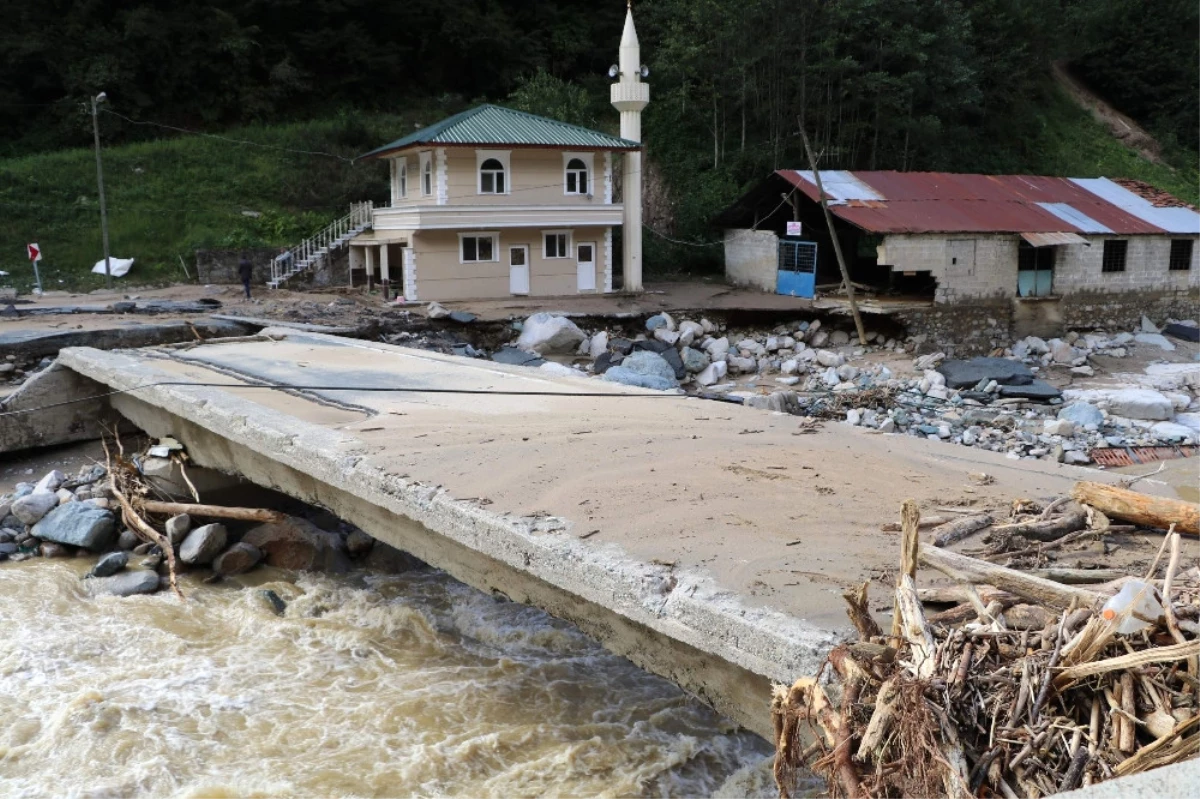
{"x": 883, "y": 84}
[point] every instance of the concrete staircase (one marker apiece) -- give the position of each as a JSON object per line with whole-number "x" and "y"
{"x": 313, "y": 251}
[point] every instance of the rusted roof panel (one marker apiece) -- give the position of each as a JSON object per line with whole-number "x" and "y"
{"x": 943, "y": 202}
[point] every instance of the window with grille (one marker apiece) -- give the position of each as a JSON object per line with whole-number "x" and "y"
{"x": 1113, "y": 259}
{"x": 1181, "y": 255}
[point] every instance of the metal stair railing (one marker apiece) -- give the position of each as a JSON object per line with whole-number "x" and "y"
{"x": 314, "y": 249}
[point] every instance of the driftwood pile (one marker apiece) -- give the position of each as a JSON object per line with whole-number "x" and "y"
{"x": 1025, "y": 688}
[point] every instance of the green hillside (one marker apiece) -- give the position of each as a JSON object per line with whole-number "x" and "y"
{"x": 169, "y": 197}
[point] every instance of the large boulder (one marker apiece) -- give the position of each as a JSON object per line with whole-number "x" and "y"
{"x": 32, "y": 507}
{"x": 544, "y": 332}
{"x": 1132, "y": 403}
{"x": 79, "y": 524}
{"x": 238, "y": 559}
{"x": 968, "y": 373}
{"x": 110, "y": 564}
{"x": 666, "y": 351}
{"x": 299, "y": 544}
{"x": 203, "y": 544}
{"x": 1082, "y": 414}
{"x": 139, "y": 581}
{"x": 643, "y": 369}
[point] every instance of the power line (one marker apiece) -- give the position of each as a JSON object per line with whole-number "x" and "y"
{"x": 379, "y": 389}
{"x": 226, "y": 138}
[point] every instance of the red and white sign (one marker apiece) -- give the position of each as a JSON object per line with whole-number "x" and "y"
{"x": 794, "y": 229}
{"x": 35, "y": 252}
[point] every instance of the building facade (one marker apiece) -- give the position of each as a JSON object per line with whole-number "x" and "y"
{"x": 491, "y": 203}
{"x": 1049, "y": 252}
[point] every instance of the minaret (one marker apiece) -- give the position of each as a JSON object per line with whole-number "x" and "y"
{"x": 629, "y": 96}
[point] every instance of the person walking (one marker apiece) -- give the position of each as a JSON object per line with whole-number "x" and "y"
{"x": 245, "y": 272}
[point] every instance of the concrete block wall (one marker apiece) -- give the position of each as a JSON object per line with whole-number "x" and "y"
{"x": 752, "y": 258}
{"x": 221, "y": 266}
{"x": 1078, "y": 267}
{"x": 965, "y": 267}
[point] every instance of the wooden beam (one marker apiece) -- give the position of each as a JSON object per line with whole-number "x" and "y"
{"x": 1026, "y": 586}
{"x": 1132, "y": 506}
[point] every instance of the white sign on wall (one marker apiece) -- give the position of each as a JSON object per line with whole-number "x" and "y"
{"x": 793, "y": 229}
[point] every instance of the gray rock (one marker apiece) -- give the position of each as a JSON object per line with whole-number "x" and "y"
{"x": 238, "y": 559}
{"x": 1081, "y": 414}
{"x": 666, "y": 352}
{"x": 203, "y": 544}
{"x": 967, "y": 373}
{"x": 127, "y": 540}
{"x": 79, "y": 524}
{"x": 1037, "y": 389}
{"x": 660, "y": 321}
{"x": 299, "y": 544}
{"x": 177, "y": 528}
{"x": 606, "y": 361}
{"x": 273, "y": 600}
{"x": 436, "y": 310}
{"x": 1132, "y": 403}
{"x": 8, "y": 548}
{"x": 643, "y": 369}
{"x": 779, "y": 401}
{"x": 141, "y": 581}
{"x": 1147, "y": 326}
{"x": 51, "y": 482}
{"x": 839, "y": 338}
{"x": 462, "y": 317}
{"x": 516, "y": 356}
{"x": 621, "y": 346}
{"x": 1155, "y": 339}
{"x": 1058, "y": 427}
{"x": 389, "y": 560}
{"x": 359, "y": 543}
{"x": 830, "y": 358}
{"x": 110, "y": 564}
{"x": 544, "y": 332}
{"x": 693, "y": 360}
{"x": 32, "y": 507}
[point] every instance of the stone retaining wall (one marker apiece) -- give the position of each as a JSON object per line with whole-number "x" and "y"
{"x": 1090, "y": 310}
{"x": 221, "y": 266}
{"x": 961, "y": 329}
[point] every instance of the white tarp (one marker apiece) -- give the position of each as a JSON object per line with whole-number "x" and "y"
{"x": 118, "y": 266}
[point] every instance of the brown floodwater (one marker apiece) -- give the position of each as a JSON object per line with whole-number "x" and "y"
{"x": 368, "y": 686}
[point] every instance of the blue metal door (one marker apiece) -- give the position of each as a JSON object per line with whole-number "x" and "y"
{"x": 797, "y": 269}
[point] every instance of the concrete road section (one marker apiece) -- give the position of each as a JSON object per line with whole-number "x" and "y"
{"x": 694, "y": 537}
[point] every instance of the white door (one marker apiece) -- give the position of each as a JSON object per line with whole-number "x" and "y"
{"x": 586, "y": 254}
{"x": 518, "y": 269}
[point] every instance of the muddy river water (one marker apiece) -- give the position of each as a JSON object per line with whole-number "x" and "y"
{"x": 368, "y": 686}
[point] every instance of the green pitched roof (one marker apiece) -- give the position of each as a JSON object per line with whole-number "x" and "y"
{"x": 492, "y": 125}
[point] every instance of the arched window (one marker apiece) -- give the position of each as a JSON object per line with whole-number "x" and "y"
{"x": 577, "y": 176}
{"x": 427, "y": 176}
{"x": 491, "y": 177}
{"x": 402, "y": 178}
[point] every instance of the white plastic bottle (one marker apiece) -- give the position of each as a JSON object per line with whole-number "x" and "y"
{"x": 1139, "y": 598}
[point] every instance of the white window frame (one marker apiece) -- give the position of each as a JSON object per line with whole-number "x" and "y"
{"x": 569, "y": 248}
{"x": 399, "y": 179}
{"x": 505, "y": 159}
{"x": 589, "y": 163}
{"x": 425, "y": 160}
{"x": 480, "y": 234}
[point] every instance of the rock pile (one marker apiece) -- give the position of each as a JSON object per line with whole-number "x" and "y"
{"x": 63, "y": 516}
{"x": 999, "y": 403}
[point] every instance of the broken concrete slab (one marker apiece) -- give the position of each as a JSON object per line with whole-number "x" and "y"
{"x": 1035, "y": 390}
{"x": 968, "y": 373}
{"x": 516, "y": 356}
{"x": 30, "y": 345}
{"x": 687, "y": 601}
{"x": 40, "y": 420}
{"x": 1132, "y": 403}
{"x": 308, "y": 327}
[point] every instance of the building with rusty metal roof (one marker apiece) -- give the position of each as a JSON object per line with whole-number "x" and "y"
{"x": 1051, "y": 251}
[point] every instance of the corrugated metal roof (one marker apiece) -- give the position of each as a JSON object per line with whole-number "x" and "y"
{"x": 945, "y": 202}
{"x": 494, "y": 126}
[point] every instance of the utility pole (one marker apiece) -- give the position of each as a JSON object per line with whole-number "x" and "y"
{"x": 837, "y": 246}
{"x": 100, "y": 98}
